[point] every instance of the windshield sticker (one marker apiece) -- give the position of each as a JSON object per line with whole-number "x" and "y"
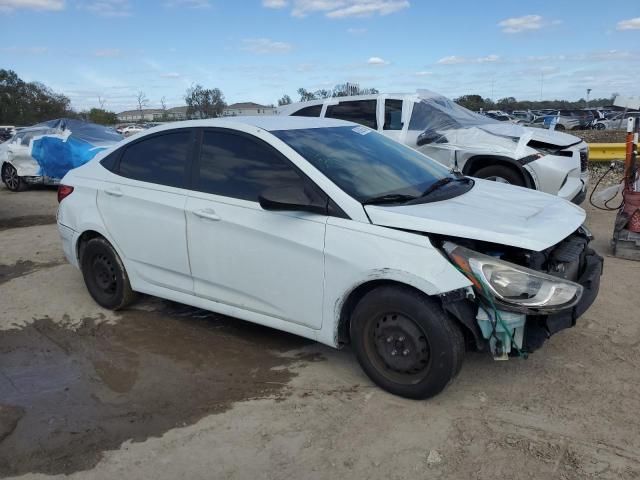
{"x": 362, "y": 130}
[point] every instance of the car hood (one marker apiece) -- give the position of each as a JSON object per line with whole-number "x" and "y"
{"x": 551, "y": 137}
{"x": 491, "y": 212}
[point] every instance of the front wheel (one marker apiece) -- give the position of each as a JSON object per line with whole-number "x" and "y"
{"x": 105, "y": 275}
{"x": 11, "y": 179}
{"x": 500, "y": 174}
{"x": 405, "y": 342}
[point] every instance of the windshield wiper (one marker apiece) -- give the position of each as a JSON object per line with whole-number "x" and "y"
{"x": 388, "y": 198}
{"x": 442, "y": 182}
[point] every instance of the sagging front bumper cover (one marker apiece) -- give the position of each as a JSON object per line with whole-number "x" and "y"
{"x": 537, "y": 328}
{"x": 540, "y": 328}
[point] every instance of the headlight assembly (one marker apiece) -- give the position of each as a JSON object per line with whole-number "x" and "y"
{"x": 515, "y": 287}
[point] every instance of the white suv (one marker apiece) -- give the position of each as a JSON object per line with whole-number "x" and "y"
{"x": 480, "y": 146}
{"x": 331, "y": 231}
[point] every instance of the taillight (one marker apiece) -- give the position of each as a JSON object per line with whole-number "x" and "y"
{"x": 63, "y": 192}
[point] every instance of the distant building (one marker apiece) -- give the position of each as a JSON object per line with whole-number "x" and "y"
{"x": 180, "y": 113}
{"x": 248, "y": 109}
{"x": 153, "y": 115}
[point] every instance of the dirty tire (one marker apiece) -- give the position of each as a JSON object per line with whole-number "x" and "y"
{"x": 500, "y": 173}
{"x": 428, "y": 345}
{"x": 11, "y": 179}
{"x": 560, "y": 127}
{"x": 105, "y": 275}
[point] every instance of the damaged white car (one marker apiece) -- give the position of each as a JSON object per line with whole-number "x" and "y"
{"x": 332, "y": 231}
{"x": 478, "y": 145}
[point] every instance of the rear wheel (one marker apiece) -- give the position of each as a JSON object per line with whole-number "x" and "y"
{"x": 105, "y": 275}
{"x": 559, "y": 126}
{"x": 405, "y": 342}
{"x": 501, "y": 174}
{"x": 11, "y": 179}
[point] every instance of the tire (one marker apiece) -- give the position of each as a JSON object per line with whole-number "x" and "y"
{"x": 559, "y": 127}
{"x": 10, "y": 178}
{"x": 500, "y": 173}
{"x": 105, "y": 275}
{"x": 429, "y": 347}
{"x": 599, "y": 126}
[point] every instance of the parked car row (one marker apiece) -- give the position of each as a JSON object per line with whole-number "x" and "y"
{"x": 475, "y": 144}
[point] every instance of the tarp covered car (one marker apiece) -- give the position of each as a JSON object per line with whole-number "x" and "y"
{"x": 45, "y": 152}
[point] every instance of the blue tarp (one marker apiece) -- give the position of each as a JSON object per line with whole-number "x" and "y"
{"x": 63, "y": 144}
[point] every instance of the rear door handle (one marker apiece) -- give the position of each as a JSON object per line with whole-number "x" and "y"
{"x": 207, "y": 213}
{"x": 114, "y": 192}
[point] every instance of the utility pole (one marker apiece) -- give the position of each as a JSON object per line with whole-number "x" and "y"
{"x": 541, "y": 83}
{"x": 588, "y": 92}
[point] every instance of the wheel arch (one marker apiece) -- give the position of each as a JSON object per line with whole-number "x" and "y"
{"x": 475, "y": 163}
{"x": 358, "y": 293}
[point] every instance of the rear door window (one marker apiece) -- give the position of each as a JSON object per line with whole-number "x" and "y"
{"x": 161, "y": 159}
{"x": 358, "y": 111}
{"x": 392, "y": 115}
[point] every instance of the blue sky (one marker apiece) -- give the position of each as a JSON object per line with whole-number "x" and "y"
{"x": 257, "y": 50}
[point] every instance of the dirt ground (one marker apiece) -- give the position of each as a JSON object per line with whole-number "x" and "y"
{"x": 166, "y": 391}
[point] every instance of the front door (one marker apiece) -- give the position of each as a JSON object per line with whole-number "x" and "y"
{"x": 270, "y": 263}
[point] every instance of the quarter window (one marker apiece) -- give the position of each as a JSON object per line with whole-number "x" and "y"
{"x": 312, "y": 111}
{"x": 240, "y": 167}
{"x": 160, "y": 159}
{"x": 360, "y": 111}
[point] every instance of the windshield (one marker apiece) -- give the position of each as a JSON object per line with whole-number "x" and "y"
{"x": 364, "y": 163}
{"x": 439, "y": 113}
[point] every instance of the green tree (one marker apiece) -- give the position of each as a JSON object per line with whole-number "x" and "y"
{"x": 203, "y": 102}
{"x": 103, "y": 117}
{"x": 26, "y": 103}
{"x": 285, "y": 100}
{"x": 472, "y": 102}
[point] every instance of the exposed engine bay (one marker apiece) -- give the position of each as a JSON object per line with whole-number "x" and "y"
{"x": 506, "y": 329}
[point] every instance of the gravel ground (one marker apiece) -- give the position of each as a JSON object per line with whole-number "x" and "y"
{"x": 601, "y": 136}
{"x": 166, "y": 391}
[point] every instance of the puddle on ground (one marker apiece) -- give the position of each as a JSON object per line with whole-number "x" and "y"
{"x": 69, "y": 395}
{"x": 26, "y": 221}
{"x": 22, "y": 268}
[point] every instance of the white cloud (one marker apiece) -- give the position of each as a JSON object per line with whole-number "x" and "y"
{"x": 265, "y": 45}
{"x": 356, "y": 31}
{"x": 7, "y": 6}
{"x": 456, "y": 60}
{"x": 274, "y": 3}
{"x": 189, "y": 3}
{"x": 340, "y": 8}
{"x": 452, "y": 60}
{"x": 525, "y": 23}
{"x": 170, "y": 75}
{"x": 377, "y": 61}
{"x": 630, "y": 24}
{"x": 423, "y": 73}
{"x": 107, "y": 8}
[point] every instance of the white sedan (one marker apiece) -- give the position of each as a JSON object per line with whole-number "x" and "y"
{"x": 332, "y": 231}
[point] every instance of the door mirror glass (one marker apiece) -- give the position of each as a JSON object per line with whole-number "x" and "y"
{"x": 292, "y": 198}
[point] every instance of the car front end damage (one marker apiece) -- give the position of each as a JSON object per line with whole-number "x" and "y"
{"x": 558, "y": 170}
{"x": 519, "y": 297}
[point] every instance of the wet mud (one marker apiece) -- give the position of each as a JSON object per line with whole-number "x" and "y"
{"x": 26, "y": 221}
{"x": 22, "y": 268}
{"x": 68, "y": 395}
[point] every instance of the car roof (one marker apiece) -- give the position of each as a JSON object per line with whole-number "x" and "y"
{"x": 265, "y": 122}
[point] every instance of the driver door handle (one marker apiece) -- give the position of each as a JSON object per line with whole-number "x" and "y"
{"x": 114, "y": 192}
{"x": 207, "y": 214}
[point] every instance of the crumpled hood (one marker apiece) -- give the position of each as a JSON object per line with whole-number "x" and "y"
{"x": 540, "y": 134}
{"x": 491, "y": 212}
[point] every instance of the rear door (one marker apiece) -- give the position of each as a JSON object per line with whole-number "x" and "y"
{"x": 265, "y": 262}
{"x": 142, "y": 205}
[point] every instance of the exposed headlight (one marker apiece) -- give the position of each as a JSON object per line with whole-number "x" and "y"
{"x": 516, "y": 287}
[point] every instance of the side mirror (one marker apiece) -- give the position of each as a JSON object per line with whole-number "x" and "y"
{"x": 294, "y": 199}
